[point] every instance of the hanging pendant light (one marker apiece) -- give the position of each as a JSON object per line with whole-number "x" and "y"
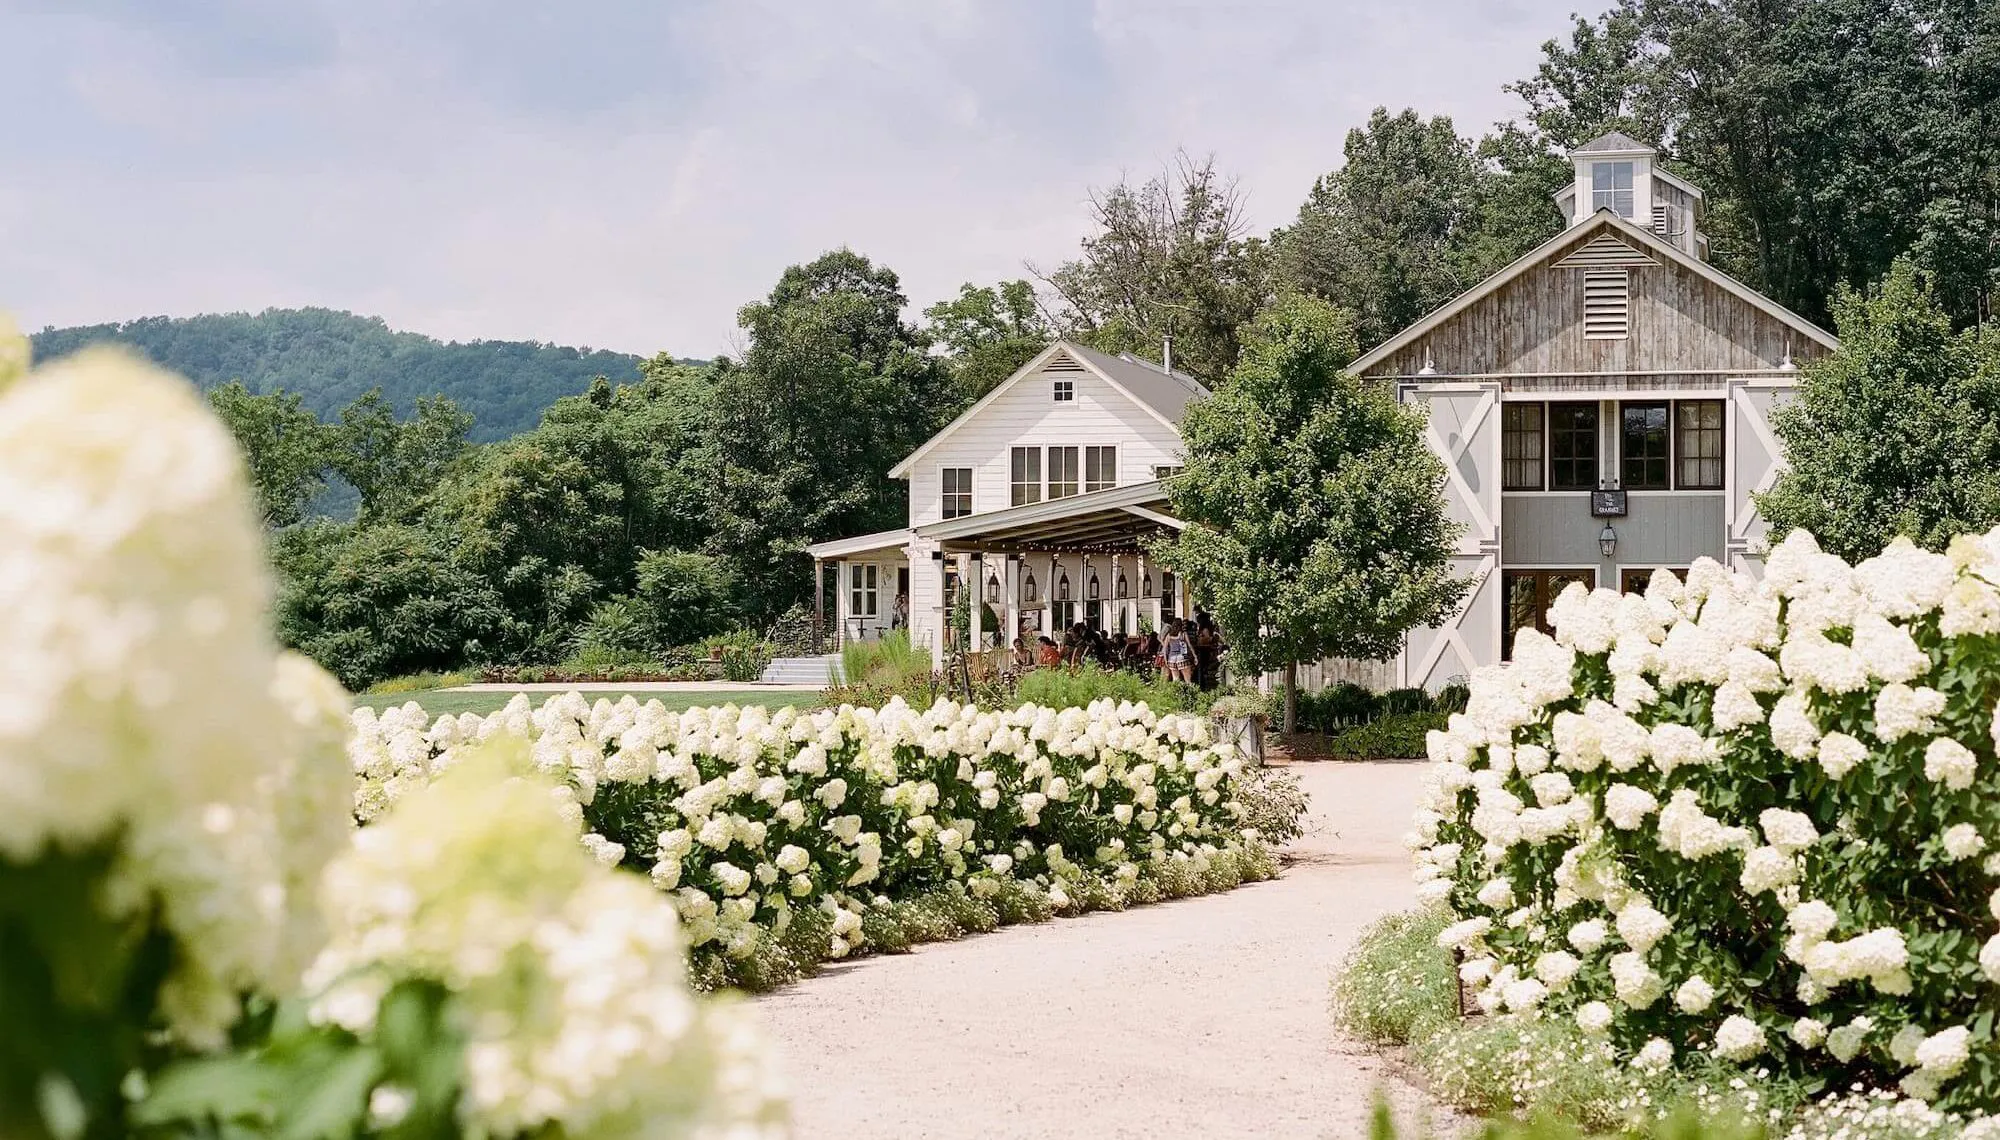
{"x": 1028, "y": 595}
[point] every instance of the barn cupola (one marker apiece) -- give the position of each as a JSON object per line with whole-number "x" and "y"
{"x": 1617, "y": 172}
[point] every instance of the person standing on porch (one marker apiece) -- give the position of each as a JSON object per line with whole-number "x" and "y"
{"x": 899, "y": 613}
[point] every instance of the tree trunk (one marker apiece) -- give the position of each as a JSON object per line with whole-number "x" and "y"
{"x": 1291, "y": 697}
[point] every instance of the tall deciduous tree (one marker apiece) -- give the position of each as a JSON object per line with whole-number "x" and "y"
{"x": 1896, "y": 433}
{"x": 835, "y": 387}
{"x": 988, "y": 332}
{"x": 1170, "y": 258}
{"x": 1415, "y": 216}
{"x": 1831, "y": 136}
{"x": 287, "y": 447}
{"x": 1316, "y": 523}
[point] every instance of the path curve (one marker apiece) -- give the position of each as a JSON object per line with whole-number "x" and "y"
{"x": 1197, "y": 1018}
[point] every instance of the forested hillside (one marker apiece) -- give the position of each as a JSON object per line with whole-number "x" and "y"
{"x": 330, "y": 358}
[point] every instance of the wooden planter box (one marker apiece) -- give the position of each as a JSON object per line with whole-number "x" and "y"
{"x": 1246, "y": 733}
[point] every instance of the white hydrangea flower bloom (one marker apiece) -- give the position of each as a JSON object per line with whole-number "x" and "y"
{"x": 1950, "y": 763}
{"x": 1694, "y": 995}
{"x": 1963, "y": 841}
{"x": 1739, "y": 1038}
{"x": 1593, "y": 1017}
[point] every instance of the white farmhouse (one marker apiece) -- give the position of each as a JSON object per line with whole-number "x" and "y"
{"x": 1600, "y": 405}
{"x": 1041, "y": 497}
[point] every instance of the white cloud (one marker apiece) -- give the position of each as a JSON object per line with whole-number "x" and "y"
{"x": 628, "y": 177}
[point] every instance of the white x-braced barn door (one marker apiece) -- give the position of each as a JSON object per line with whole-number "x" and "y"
{"x": 1464, "y": 431}
{"x": 1754, "y": 462}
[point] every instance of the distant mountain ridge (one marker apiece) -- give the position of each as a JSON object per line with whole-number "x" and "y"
{"x": 330, "y": 357}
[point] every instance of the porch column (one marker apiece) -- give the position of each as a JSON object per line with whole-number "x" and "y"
{"x": 1049, "y": 602}
{"x": 1117, "y": 603}
{"x": 819, "y": 605}
{"x": 1010, "y": 600}
{"x": 975, "y": 602}
{"x": 840, "y": 603}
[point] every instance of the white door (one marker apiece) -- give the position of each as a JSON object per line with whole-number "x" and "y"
{"x": 1464, "y": 431}
{"x": 1752, "y": 461}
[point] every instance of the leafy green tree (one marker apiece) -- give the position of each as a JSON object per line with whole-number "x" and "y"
{"x": 286, "y": 446}
{"x": 988, "y": 333}
{"x": 370, "y": 602}
{"x": 835, "y": 387}
{"x": 1898, "y": 433}
{"x": 1170, "y": 258}
{"x": 390, "y": 462}
{"x": 686, "y": 595}
{"x": 1316, "y": 523}
{"x": 1831, "y": 136}
{"x": 1403, "y": 226}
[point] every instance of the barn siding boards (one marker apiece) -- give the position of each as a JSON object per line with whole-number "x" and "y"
{"x": 1533, "y": 326}
{"x": 1661, "y": 528}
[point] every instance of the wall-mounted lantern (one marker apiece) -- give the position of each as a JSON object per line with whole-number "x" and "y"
{"x": 1028, "y": 595}
{"x": 1607, "y": 541}
{"x": 992, "y": 588}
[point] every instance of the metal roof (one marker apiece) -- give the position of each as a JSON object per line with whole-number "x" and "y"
{"x": 1614, "y": 142}
{"x": 1116, "y": 520}
{"x": 1167, "y": 393}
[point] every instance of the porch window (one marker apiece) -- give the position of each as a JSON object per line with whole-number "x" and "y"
{"x": 1027, "y": 475}
{"x": 957, "y": 492}
{"x": 1100, "y": 468}
{"x": 863, "y": 595}
{"x": 1643, "y": 446}
{"x": 1573, "y": 447}
{"x": 1530, "y": 593}
{"x": 1698, "y": 444}
{"x": 1063, "y": 464}
{"x": 1521, "y": 447}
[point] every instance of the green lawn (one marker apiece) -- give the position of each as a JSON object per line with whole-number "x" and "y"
{"x": 438, "y": 702}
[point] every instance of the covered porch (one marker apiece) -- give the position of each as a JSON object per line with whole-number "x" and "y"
{"x": 871, "y": 587}
{"x": 1040, "y": 568}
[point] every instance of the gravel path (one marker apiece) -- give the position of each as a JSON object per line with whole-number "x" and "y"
{"x": 1199, "y": 1018}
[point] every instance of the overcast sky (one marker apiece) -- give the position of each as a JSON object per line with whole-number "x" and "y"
{"x": 625, "y": 173}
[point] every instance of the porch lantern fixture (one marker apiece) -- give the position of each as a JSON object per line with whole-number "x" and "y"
{"x": 1146, "y": 585}
{"x": 1092, "y": 591}
{"x": 1028, "y": 595}
{"x": 1124, "y": 591}
{"x": 1607, "y": 541}
{"x": 992, "y": 589}
{"x": 1062, "y": 587}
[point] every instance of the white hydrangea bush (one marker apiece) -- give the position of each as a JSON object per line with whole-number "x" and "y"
{"x": 1751, "y": 819}
{"x": 146, "y": 713}
{"x": 750, "y": 817}
{"x": 568, "y": 978}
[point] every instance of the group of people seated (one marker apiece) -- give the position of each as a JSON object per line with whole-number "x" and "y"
{"x": 1191, "y": 651}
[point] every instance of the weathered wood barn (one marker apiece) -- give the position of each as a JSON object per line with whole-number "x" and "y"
{"x": 1600, "y": 405}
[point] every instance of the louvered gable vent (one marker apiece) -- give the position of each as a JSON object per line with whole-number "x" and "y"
{"x": 1607, "y": 304}
{"x": 1062, "y": 362}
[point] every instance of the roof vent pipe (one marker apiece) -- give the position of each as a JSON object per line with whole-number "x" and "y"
{"x": 1167, "y": 354}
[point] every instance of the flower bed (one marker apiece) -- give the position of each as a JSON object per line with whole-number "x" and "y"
{"x": 1744, "y": 821}
{"x": 784, "y": 837}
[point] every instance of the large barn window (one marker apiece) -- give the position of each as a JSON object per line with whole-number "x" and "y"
{"x": 1698, "y": 444}
{"x": 1643, "y": 446}
{"x": 1607, "y": 304}
{"x": 1573, "y": 447}
{"x": 1521, "y": 447}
